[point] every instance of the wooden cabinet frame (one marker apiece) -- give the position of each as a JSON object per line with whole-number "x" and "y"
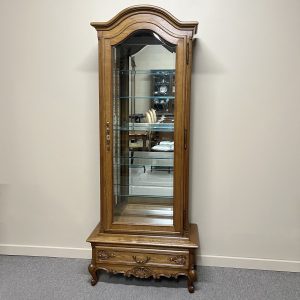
{"x": 181, "y": 34}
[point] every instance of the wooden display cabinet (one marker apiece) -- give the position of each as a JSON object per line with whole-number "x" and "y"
{"x": 144, "y": 229}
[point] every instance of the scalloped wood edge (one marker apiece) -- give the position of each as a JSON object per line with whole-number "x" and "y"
{"x": 144, "y": 272}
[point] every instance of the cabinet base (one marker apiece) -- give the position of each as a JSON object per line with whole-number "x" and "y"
{"x": 144, "y": 256}
{"x": 144, "y": 272}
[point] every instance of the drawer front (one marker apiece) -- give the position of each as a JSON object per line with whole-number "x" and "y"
{"x": 141, "y": 257}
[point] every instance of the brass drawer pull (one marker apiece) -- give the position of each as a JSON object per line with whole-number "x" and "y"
{"x": 141, "y": 261}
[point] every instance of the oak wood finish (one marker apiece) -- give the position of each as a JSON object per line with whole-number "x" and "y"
{"x": 129, "y": 247}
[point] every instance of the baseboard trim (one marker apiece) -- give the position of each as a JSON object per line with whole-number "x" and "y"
{"x": 249, "y": 263}
{"x": 45, "y": 251}
{"x": 203, "y": 260}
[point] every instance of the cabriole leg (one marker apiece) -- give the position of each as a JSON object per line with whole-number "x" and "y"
{"x": 93, "y": 272}
{"x": 192, "y": 276}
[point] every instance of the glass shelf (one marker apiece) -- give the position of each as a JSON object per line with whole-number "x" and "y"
{"x": 145, "y": 184}
{"x": 147, "y": 97}
{"x": 130, "y": 165}
{"x": 147, "y": 72}
{"x": 145, "y": 196}
{"x": 164, "y": 127}
{"x": 141, "y": 157}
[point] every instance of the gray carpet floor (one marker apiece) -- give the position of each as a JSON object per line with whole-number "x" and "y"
{"x": 23, "y": 277}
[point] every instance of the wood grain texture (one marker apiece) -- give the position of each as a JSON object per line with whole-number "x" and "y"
{"x": 181, "y": 242}
{"x": 135, "y": 256}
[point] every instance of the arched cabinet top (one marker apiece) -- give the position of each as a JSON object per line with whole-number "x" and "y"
{"x": 150, "y": 10}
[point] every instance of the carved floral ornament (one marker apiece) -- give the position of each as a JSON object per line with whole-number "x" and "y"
{"x": 145, "y": 272}
{"x": 103, "y": 254}
{"x": 140, "y": 272}
{"x": 178, "y": 259}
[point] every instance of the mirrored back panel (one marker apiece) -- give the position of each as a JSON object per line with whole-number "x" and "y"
{"x": 143, "y": 129}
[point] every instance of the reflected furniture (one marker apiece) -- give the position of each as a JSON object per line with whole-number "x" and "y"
{"x": 145, "y": 62}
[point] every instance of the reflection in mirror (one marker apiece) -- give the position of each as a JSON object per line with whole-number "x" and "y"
{"x": 143, "y": 123}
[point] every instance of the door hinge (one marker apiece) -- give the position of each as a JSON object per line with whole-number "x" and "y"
{"x": 188, "y": 52}
{"x": 185, "y": 139}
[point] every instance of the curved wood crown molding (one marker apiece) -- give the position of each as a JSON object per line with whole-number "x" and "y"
{"x": 145, "y": 9}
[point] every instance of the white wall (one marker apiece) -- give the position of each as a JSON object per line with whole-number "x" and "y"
{"x": 245, "y": 128}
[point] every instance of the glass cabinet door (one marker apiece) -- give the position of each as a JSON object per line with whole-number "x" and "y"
{"x": 144, "y": 102}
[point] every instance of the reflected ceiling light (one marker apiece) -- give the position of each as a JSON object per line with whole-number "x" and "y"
{"x": 157, "y": 36}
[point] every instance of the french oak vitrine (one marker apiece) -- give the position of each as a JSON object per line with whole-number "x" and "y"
{"x": 145, "y": 61}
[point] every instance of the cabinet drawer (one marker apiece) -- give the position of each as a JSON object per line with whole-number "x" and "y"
{"x": 135, "y": 256}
